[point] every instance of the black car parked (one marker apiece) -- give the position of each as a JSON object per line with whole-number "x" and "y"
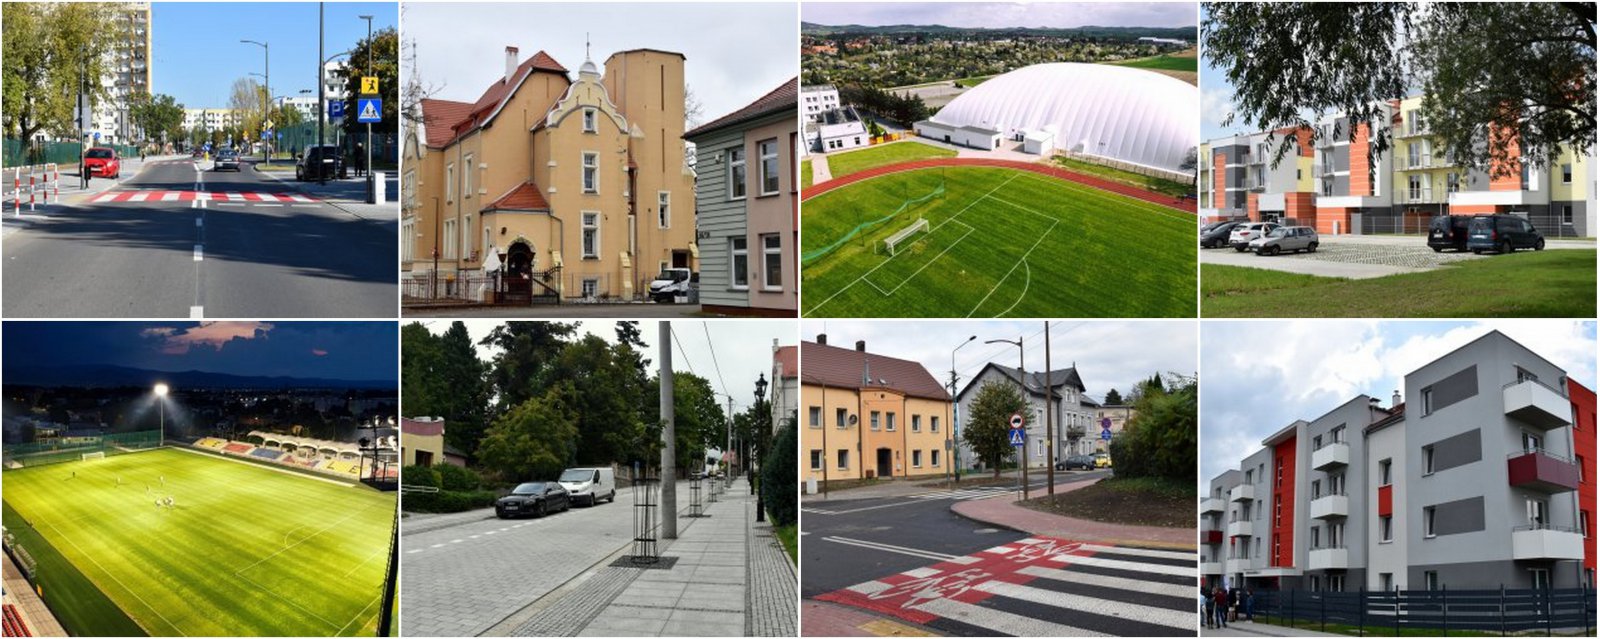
{"x": 1448, "y": 232}
{"x": 319, "y": 162}
{"x": 1215, "y": 234}
{"x": 1502, "y": 233}
{"x": 537, "y": 498}
{"x": 1084, "y": 462}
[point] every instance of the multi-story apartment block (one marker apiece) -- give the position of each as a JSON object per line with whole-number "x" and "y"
{"x": 577, "y": 188}
{"x": 867, "y": 415}
{"x": 1468, "y": 480}
{"x": 1339, "y": 185}
{"x": 748, "y": 219}
{"x": 127, "y": 74}
{"x": 816, "y": 100}
{"x": 1072, "y": 413}
{"x": 211, "y": 119}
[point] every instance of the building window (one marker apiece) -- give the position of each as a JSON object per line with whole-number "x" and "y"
{"x": 590, "y": 122}
{"x": 740, "y": 262}
{"x": 1427, "y": 460}
{"x": 933, "y": 424}
{"x": 1532, "y": 442}
{"x": 844, "y": 459}
{"x": 466, "y": 236}
{"x": 1566, "y": 214}
{"x": 916, "y": 459}
{"x": 591, "y": 235}
{"x": 889, "y": 422}
{"x": 1452, "y": 182}
{"x": 839, "y": 416}
{"x": 916, "y": 423}
{"x": 1427, "y": 523}
{"x": 591, "y": 172}
{"x": 1541, "y": 578}
{"x": 933, "y": 458}
{"x": 1427, "y": 402}
{"x": 1386, "y": 529}
{"x": 1583, "y": 523}
{"x": 1385, "y": 581}
{"x": 1384, "y": 467}
{"x": 769, "y": 165}
{"x": 590, "y": 287}
{"x": 450, "y": 239}
{"x": 735, "y": 173}
{"x": 874, "y": 421}
{"x": 466, "y": 177}
{"x": 814, "y": 417}
{"x": 816, "y": 459}
{"x": 1566, "y": 173}
{"x": 664, "y": 209}
{"x": 772, "y": 262}
{"x": 450, "y": 182}
{"x": 1581, "y": 478}
{"x": 1430, "y": 579}
{"x": 1316, "y": 489}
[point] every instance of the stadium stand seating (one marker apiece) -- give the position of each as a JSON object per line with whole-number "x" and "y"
{"x": 14, "y": 625}
{"x": 348, "y": 469}
{"x": 270, "y": 454}
{"x": 238, "y": 448}
{"x": 211, "y": 442}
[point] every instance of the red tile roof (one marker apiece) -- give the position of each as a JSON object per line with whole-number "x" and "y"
{"x": 783, "y": 98}
{"x": 846, "y": 368}
{"x": 523, "y": 197}
{"x": 438, "y": 118}
{"x": 460, "y": 118}
{"x": 789, "y": 358}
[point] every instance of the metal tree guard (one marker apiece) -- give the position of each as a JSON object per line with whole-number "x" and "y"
{"x": 696, "y": 509}
{"x": 645, "y": 491}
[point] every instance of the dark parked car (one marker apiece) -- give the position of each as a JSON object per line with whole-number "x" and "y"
{"x": 319, "y": 162}
{"x": 537, "y": 498}
{"x": 1215, "y": 234}
{"x": 1084, "y": 462}
{"x": 227, "y": 159}
{"x": 1502, "y": 233}
{"x": 1448, "y": 232}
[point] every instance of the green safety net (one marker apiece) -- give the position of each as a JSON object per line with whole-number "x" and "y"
{"x": 64, "y": 449}
{"x": 812, "y": 255}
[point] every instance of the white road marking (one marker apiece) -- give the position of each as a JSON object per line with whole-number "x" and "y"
{"x": 1103, "y": 581}
{"x": 1095, "y": 605}
{"x": 169, "y": 196}
{"x": 1141, "y": 552}
{"x": 199, "y": 221}
{"x": 1160, "y": 569}
{"x": 914, "y": 552}
{"x": 199, "y": 252}
{"x": 197, "y": 312}
{"x": 1000, "y": 621}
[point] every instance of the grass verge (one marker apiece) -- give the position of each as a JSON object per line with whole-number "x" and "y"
{"x": 789, "y": 536}
{"x": 1375, "y": 630}
{"x": 1146, "y": 182}
{"x": 1551, "y": 283}
{"x": 805, "y": 174}
{"x": 842, "y": 164}
{"x": 1135, "y": 501}
{"x": 80, "y": 607}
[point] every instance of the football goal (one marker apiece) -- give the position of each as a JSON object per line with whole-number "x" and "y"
{"x": 893, "y": 241}
{"x": 94, "y": 456}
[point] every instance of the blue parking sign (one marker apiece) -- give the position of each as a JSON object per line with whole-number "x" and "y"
{"x": 335, "y": 109}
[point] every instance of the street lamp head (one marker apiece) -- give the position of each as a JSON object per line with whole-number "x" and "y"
{"x": 161, "y": 390}
{"x": 761, "y": 387}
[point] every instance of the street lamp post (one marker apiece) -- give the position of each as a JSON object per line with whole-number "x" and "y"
{"x": 952, "y": 436}
{"x": 161, "y": 401}
{"x": 761, "y": 394}
{"x": 266, "y": 108}
{"x": 1022, "y": 381}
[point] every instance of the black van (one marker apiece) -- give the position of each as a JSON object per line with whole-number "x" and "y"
{"x": 1448, "y": 232}
{"x": 1502, "y": 233}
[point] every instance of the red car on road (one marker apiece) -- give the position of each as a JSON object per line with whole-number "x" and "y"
{"x": 103, "y": 162}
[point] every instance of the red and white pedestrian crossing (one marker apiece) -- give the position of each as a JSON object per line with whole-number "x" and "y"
{"x": 209, "y": 196}
{"x": 1042, "y": 586}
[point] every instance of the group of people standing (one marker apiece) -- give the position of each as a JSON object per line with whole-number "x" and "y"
{"x": 1223, "y": 605}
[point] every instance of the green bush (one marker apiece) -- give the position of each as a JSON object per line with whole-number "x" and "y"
{"x": 457, "y": 478}
{"x": 419, "y": 476}
{"x": 780, "y": 478}
{"x": 446, "y": 501}
{"x": 1160, "y": 439}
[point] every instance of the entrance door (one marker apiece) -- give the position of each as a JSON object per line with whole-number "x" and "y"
{"x": 1355, "y": 223}
{"x": 885, "y": 462}
{"x": 518, "y": 279}
{"x": 680, "y": 259}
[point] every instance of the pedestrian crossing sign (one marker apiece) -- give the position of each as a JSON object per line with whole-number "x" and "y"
{"x": 1017, "y": 437}
{"x": 369, "y": 110}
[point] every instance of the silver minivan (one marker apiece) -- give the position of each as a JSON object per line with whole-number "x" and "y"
{"x": 590, "y": 485}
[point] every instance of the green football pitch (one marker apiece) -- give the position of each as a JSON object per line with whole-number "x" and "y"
{"x": 1000, "y": 243}
{"x": 245, "y": 550}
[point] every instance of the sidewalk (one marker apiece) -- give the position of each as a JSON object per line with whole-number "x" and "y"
{"x": 28, "y": 603}
{"x": 72, "y": 192}
{"x": 1002, "y": 511}
{"x": 349, "y": 195}
{"x": 730, "y": 578}
{"x": 1252, "y": 629}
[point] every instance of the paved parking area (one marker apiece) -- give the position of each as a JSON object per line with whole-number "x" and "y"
{"x": 1361, "y": 257}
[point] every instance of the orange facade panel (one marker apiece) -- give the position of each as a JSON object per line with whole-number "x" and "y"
{"x": 1219, "y": 174}
{"x": 1360, "y": 163}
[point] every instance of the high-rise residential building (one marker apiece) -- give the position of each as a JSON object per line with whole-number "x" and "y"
{"x": 1470, "y": 479}
{"x": 126, "y": 75}
{"x": 867, "y": 415}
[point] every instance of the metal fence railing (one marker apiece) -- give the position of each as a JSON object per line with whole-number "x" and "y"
{"x": 14, "y": 153}
{"x": 65, "y": 449}
{"x": 1503, "y": 611}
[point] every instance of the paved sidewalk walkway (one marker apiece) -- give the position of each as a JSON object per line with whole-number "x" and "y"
{"x": 1004, "y": 512}
{"x": 72, "y": 192}
{"x": 1252, "y": 629}
{"x": 348, "y": 195}
{"x": 28, "y": 603}
{"x": 819, "y": 169}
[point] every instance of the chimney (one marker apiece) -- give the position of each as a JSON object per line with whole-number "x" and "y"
{"x": 511, "y": 63}
{"x": 1373, "y": 402}
{"x": 822, "y": 339}
{"x": 861, "y": 345}
{"x": 1395, "y": 401}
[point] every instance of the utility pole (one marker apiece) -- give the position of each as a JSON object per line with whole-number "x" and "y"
{"x": 322, "y": 106}
{"x": 1049, "y": 431}
{"x": 727, "y": 474}
{"x": 1022, "y": 378}
{"x": 368, "y": 166}
{"x": 953, "y": 435}
{"x": 669, "y": 438}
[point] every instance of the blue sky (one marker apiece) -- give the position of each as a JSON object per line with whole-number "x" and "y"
{"x": 1003, "y": 14}
{"x": 197, "y": 53}
{"x": 1257, "y": 377}
{"x": 1216, "y": 98}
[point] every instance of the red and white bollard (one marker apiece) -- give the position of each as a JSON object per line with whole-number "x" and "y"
{"x": 33, "y": 188}
{"x": 16, "y": 189}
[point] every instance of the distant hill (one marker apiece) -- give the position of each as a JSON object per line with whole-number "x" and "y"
{"x": 1178, "y": 33}
{"x": 112, "y": 376}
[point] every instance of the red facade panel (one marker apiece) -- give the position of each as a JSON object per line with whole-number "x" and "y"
{"x": 1385, "y": 500}
{"x": 1583, "y": 425}
{"x": 1283, "y": 466}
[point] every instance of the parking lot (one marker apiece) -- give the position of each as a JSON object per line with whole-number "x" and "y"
{"x": 1362, "y": 256}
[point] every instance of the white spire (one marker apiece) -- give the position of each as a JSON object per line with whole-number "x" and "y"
{"x": 588, "y": 68}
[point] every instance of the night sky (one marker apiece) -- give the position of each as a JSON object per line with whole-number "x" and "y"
{"x": 333, "y": 350}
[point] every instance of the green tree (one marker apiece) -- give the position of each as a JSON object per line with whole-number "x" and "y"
{"x": 442, "y": 376}
{"x": 385, "y": 65}
{"x": 987, "y": 422}
{"x": 697, "y": 417}
{"x": 159, "y": 116}
{"x": 532, "y": 441}
{"x": 608, "y": 397}
{"x": 780, "y": 477}
{"x": 1113, "y": 398}
{"x": 524, "y": 349}
{"x": 50, "y": 51}
{"x": 1483, "y": 68}
{"x": 1160, "y": 439}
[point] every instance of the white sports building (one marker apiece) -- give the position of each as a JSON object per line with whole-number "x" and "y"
{"x": 1119, "y": 113}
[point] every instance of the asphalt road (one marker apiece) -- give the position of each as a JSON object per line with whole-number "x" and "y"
{"x": 177, "y": 242}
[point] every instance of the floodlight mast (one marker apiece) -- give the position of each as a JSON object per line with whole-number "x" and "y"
{"x": 161, "y": 401}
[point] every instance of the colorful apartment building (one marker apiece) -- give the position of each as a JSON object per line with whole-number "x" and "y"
{"x": 1338, "y": 184}
{"x": 870, "y": 416}
{"x": 570, "y": 188}
{"x": 1467, "y": 481}
{"x": 747, "y": 192}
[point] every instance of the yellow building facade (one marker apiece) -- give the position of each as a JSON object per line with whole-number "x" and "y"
{"x": 869, "y": 416}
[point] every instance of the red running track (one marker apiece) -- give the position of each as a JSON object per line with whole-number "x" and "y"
{"x": 1185, "y": 205}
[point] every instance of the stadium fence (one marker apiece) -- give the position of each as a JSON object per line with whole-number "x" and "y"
{"x": 68, "y": 449}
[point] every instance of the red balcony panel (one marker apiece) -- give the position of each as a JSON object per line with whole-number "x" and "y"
{"x": 1385, "y": 500}
{"x": 1542, "y": 471}
{"x": 1211, "y": 536}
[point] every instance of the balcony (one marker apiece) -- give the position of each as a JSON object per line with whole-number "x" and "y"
{"x": 1331, "y": 455}
{"x": 1236, "y": 566}
{"x": 1542, "y": 543}
{"x": 1531, "y": 402}
{"x": 1212, "y": 505}
{"x": 1541, "y": 471}
{"x": 1242, "y": 492}
{"x": 1330, "y": 506}
{"x": 1241, "y": 528}
{"x": 1211, "y": 568}
{"x": 1210, "y": 536}
{"x": 1328, "y": 559}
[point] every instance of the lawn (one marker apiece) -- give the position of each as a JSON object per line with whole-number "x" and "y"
{"x": 1135, "y": 501}
{"x": 247, "y": 550}
{"x": 1552, "y": 283}
{"x": 805, "y": 174}
{"x": 1146, "y": 182}
{"x": 1185, "y": 61}
{"x": 842, "y": 164}
{"x": 1002, "y": 243}
{"x": 789, "y": 537}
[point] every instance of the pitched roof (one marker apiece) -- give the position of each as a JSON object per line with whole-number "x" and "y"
{"x": 783, "y": 98}
{"x": 789, "y": 358}
{"x": 1058, "y": 378}
{"x": 480, "y": 112}
{"x": 439, "y": 117}
{"x": 522, "y": 197}
{"x": 429, "y": 428}
{"x": 847, "y": 368}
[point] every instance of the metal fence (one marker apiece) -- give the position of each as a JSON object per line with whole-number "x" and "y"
{"x": 1390, "y": 222}
{"x": 14, "y": 153}
{"x": 1502, "y": 611}
{"x": 65, "y": 449}
{"x": 295, "y": 139}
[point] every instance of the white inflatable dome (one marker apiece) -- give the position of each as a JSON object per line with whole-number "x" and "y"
{"x": 1121, "y": 113}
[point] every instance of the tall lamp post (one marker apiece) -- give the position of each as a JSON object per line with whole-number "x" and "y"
{"x": 266, "y": 108}
{"x": 161, "y": 401}
{"x": 761, "y": 395}
{"x": 1022, "y": 381}
{"x": 953, "y": 436}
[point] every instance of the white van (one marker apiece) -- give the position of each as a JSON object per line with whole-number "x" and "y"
{"x": 590, "y": 485}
